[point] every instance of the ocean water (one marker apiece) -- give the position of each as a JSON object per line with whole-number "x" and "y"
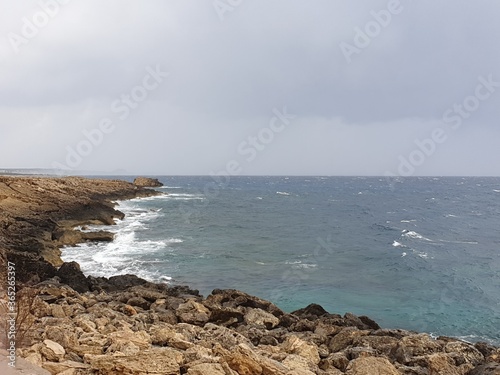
{"x": 417, "y": 253}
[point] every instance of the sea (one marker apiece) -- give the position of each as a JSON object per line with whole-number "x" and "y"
{"x": 416, "y": 253}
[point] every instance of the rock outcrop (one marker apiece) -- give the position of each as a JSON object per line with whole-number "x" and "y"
{"x": 38, "y": 216}
{"x": 147, "y": 182}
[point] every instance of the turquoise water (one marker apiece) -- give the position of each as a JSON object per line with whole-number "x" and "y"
{"x": 417, "y": 253}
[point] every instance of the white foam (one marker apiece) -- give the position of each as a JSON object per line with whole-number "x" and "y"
{"x": 412, "y": 234}
{"x": 397, "y": 244}
{"x": 282, "y": 193}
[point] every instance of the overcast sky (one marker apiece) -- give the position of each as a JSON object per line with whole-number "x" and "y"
{"x": 287, "y": 87}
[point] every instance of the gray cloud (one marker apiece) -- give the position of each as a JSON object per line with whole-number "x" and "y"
{"x": 226, "y": 77}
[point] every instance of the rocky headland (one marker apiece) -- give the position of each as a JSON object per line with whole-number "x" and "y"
{"x": 70, "y": 323}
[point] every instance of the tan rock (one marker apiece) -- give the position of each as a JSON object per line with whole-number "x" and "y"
{"x": 261, "y": 318}
{"x": 129, "y": 310}
{"x": 57, "y": 311}
{"x": 371, "y": 366}
{"x": 63, "y": 335}
{"x": 299, "y": 363}
{"x": 345, "y": 338}
{"x": 245, "y": 361}
{"x": 52, "y": 351}
{"x": 59, "y": 367}
{"x": 307, "y": 350}
{"x": 128, "y": 342}
{"x": 193, "y": 313}
{"x": 34, "y": 358}
{"x": 466, "y": 352}
{"x": 442, "y": 364}
{"x": 414, "y": 346}
{"x": 168, "y": 336}
{"x": 207, "y": 369}
{"x": 156, "y": 361}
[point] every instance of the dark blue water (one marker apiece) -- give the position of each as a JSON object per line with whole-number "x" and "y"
{"x": 417, "y": 253}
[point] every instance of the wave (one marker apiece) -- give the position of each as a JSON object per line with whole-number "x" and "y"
{"x": 185, "y": 196}
{"x": 282, "y": 193}
{"x": 414, "y": 235}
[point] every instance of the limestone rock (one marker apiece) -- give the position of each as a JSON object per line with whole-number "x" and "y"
{"x": 371, "y": 366}
{"x": 206, "y": 369}
{"x": 156, "y": 361}
{"x": 261, "y": 318}
{"x": 295, "y": 345}
{"x": 193, "y": 312}
{"x": 147, "y": 182}
{"x": 52, "y": 351}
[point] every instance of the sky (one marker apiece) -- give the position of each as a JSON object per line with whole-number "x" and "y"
{"x": 251, "y": 87}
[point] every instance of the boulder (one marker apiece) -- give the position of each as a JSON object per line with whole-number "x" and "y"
{"x": 307, "y": 350}
{"x": 206, "y": 369}
{"x": 491, "y": 368}
{"x": 156, "y": 361}
{"x": 261, "y": 318}
{"x": 147, "y": 182}
{"x": 193, "y": 313}
{"x": 371, "y": 366}
{"x": 70, "y": 274}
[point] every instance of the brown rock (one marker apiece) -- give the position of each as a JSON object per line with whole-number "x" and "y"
{"x": 193, "y": 313}
{"x": 147, "y": 182}
{"x": 207, "y": 369}
{"x": 345, "y": 338}
{"x": 491, "y": 368}
{"x": 156, "y": 361}
{"x": 261, "y": 318}
{"x": 371, "y": 366}
{"x": 52, "y": 351}
{"x": 442, "y": 364}
{"x": 295, "y": 345}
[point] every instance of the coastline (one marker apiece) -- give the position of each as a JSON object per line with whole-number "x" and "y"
{"x": 140, "y": 324}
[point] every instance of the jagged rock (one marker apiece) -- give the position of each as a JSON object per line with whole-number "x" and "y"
{"x": 147, "y": 182}
{"x": 156, "y": 361}
{"x": 311, "y": 312}
{"x": 371, "y": 366}
{"x": 64, "y": 367}
{"x": 70, "y": 274}
{"x": 491, "y": 368}
{"x": 207, "y": 369}
{"x": 193, "y": 312}
{"x": 235, "y": 298}
{"x": 414, "y": 346}
{"x": 442, "y": 364}
{"x": 345, "y": 338}
{"x": 244, "y": 360}
{"x": 295, "y": 345}
{"x": 261, "y": 318}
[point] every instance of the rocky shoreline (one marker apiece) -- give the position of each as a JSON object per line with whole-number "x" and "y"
{"x": 74, "y": 324}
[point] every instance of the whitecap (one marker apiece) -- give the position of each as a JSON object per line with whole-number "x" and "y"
{"x": 397, "y": 244}
{"x": 414, "y": 235}
{"x": 282, "y": 193}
